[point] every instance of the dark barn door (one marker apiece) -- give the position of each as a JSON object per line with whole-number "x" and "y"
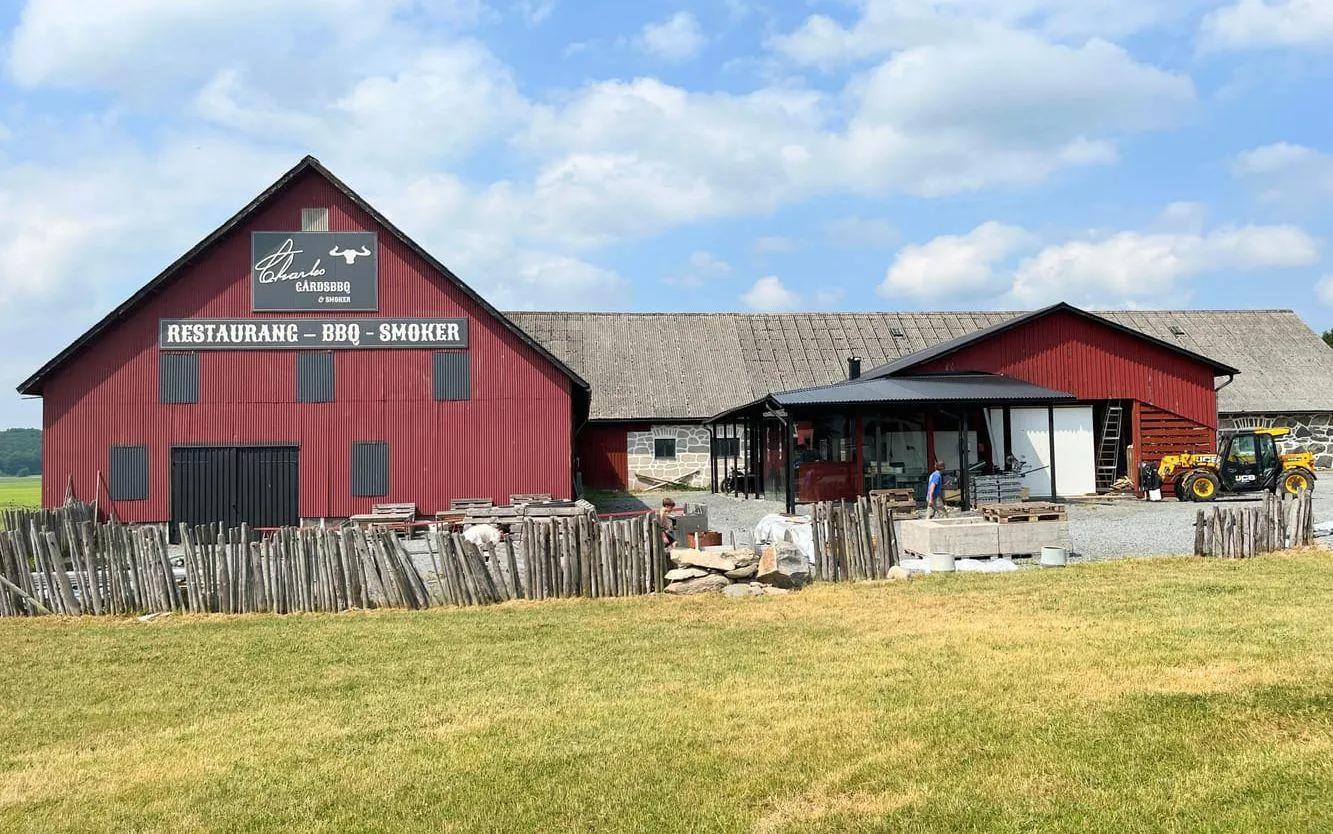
{"x": 256, "y": 485}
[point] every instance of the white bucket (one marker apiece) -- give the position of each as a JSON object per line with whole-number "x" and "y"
{"x": 941, "y": 563}
{"x": 1154, "y": 495}
{"x": 1054, "y": 557}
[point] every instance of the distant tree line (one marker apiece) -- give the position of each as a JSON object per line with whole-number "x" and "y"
{"x": 21, "y": 452}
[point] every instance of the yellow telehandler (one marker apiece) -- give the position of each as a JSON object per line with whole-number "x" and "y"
{"x": 1247, "y": 461}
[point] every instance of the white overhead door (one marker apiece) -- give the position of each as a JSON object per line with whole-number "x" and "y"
{"x": 1075, "y": 472}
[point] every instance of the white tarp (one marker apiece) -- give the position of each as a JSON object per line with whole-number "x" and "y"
{"x": 964, "y": 565}
{"x": 795, "y": 529}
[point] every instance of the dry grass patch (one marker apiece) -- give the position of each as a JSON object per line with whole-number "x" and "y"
{"x": 1165, "y": 694}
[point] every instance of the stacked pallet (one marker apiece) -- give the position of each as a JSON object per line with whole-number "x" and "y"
{"x": 1001, "y": 488}
{"x": 1024, "y": 511}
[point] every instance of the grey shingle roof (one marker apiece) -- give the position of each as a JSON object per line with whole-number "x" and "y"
{"x": 694, "y": 365}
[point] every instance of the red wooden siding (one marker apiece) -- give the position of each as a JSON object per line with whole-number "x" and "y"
{"x": 514, "y": 435}
{"x": 1092, "y": 361}
{"x": 603, "y": 454}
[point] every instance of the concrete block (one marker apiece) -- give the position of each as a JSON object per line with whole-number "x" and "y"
{"x": 1029, "y": 537}
{"x": 963, "y": 537}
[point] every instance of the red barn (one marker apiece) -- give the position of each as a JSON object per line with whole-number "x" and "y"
{"x": 305, "y": 360}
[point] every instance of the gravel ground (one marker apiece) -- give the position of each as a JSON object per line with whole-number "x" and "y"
{"x": 1108, "y": 529}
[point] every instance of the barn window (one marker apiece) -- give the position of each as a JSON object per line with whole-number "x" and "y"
{"x": 314, "y": 220}
{"x": 370, "y": 468}
{"x": 314, "y": 377}
{"x": 727, "y": 447}
{"x": 127, "y": 473}
{"x": 451, "y": 377}
{"x": 664, "y": 448}
{"x": 178, "y": 377}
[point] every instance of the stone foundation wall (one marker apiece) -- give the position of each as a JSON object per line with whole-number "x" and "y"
{"x": 692, "y": 455}
{"x": 1309, "y": 432}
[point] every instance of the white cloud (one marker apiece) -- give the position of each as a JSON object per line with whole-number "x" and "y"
{"x": 958, "y": 115}
{"x": 703, "y": 269}
{"x": 144, "y": 47}
{"x": 954, "y": 266}
{"x": 535, "y": 12}
{"x": 1000, "y": 265}
{"x": 770, "y": 295}
{"x": 1283, "y": 172}
{"x": 852, "y": 232}
{"x": 1323, "y": 290}
{"x": 445, "y": 103}
{"x": 886, "y": 26}
{"x": 678, "y": 38}
{"x": 1256, "y": 24}
{"x": 1133, "y": 269}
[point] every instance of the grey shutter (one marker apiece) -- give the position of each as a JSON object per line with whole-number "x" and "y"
{"x": 452, "y": 375}
{"x": 178, "y": 377}
{"x": 314, "y": 220}
{"x": 127, "y": 473}
{"x": 314, "y": 377}
{"x": 370, "y": 469}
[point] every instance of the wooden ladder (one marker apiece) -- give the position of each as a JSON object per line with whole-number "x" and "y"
{"x": 1108, "y": 450}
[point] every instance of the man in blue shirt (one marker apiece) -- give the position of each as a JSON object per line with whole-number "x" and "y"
{"x": 935, "y": 491}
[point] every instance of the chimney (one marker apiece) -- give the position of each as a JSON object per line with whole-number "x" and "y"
{"x": 853, "y": 367}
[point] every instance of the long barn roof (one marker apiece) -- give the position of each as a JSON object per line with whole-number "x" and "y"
{"x": 690, "y": 366}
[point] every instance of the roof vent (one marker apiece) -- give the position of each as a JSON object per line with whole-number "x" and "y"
{"x": 314, "y": 220}
{"x": 897, "y": 334}
{"x": 853, "y": 367}
{"x": 1177, "y": 330}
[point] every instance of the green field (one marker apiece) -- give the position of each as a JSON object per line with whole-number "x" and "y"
{"x": 1141, "y": 695}
{"x": 20, "y": 492}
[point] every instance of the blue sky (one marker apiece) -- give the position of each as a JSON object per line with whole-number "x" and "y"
{"x": 731, "y": 155}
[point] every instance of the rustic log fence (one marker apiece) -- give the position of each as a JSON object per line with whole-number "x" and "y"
{"x": 1236, "y": 532}
{"x": 119, "y": 569}
{"x": 854, "y": 540}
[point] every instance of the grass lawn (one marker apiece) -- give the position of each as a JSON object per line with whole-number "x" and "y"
{"x": 21, "y": 492}
{"x": 1164, "y": 694}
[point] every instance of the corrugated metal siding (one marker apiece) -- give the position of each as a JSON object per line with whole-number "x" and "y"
{"x": 1092, "y": 362}
{"x": 513, "y": 436}
{"x": 452, "y": 380}
{"x": 178, "y": 378}
{"x": 314, "y": 377}
{"x": 370, "y": 469}
{"x": 127, "y": 473}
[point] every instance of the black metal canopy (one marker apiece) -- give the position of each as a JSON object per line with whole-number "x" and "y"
{"x": 990, "y": 389}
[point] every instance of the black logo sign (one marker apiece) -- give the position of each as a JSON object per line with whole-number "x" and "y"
{"x": 314, "y": 271}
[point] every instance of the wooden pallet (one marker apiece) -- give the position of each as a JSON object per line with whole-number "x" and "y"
{"x": 1030, "y": 511}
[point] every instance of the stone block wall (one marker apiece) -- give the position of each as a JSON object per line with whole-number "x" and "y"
{"x": 692, "y": 455}
{"x": 1309, "y": 432}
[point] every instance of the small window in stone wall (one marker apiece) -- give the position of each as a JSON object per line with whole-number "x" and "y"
{"x": 727, "y": 447}
{"x": 664, "y": 448}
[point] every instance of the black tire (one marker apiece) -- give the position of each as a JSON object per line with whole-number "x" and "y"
{"x": 1295, "y": 481}
{"x": 1202, "y": 486}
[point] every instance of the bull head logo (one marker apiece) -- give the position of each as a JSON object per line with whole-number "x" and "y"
{"x": 349, "y": 255}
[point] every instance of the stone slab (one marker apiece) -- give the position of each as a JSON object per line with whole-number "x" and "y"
{"x": 973, "y": 536}
{"x": 964, "y": 536}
